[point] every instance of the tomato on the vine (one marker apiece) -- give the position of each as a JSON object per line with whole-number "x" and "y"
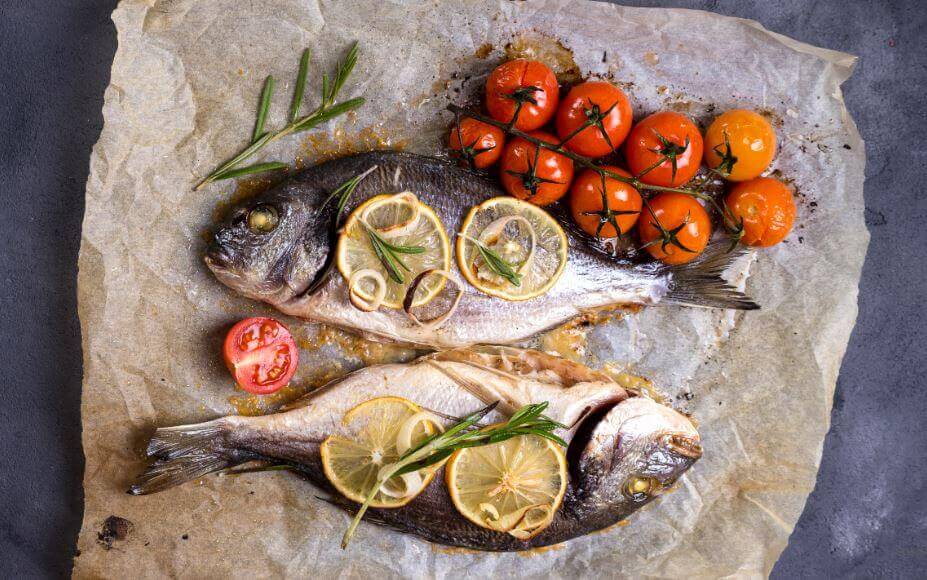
{"x": 766, "y": 208}
{"x": 534, "y": 173}
{"x": 261, "y": 354}
{"x": 664, "y": 149}
{"x": 526, "y": 87}
{"x": 482, "y": 143}
{"x": 594, "y": 118}
{"x": 675, "y": 229}
{"x": 740, "y": 144}
{"x": 604, "y": 212}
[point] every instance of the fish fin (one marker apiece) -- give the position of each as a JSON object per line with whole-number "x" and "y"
{"x": 699, "y": 283}
{"x": 185, "y": 453}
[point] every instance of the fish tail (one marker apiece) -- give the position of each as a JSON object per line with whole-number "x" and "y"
{"x": 700, "y": 282}
{"x": 184, "y": 453}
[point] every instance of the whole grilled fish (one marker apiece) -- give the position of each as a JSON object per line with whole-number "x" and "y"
{"x": 287, "y": 266}
{"x": 624, "y": 450}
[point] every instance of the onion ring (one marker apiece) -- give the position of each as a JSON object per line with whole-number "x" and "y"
{"x": 404, "y": 436}
{"x": 358, "y": 301}
{"x": 522, "y": 526}
{"x": 409, "y": 299}
{"x": 413, "y": 484}
{"x": 402, "y": 228}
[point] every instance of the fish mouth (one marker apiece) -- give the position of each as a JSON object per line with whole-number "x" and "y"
{"x": 683, "y": 445}
{"x": 217, "y": 258}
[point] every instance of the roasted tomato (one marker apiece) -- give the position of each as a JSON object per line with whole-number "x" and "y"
{"x": 482, "y": 143}
{"x": 667, "y": 136}
{"x": 604, "y": 212}
{"x": 605, "y": 112}
{"x": 533, "y": 173}
{"x": 677, "y": 230}
{"x": 740, "y": 144}
{"x": 766, "y": 207}
{"x": 527, "y": 87}
{"x": 261, "y": 354}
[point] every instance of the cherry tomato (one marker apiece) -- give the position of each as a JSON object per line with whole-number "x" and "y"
{"x": 602, "y": 104}
{"x": 541, "y": 177}
{"x": 482, "y": 143}
{"x": 592, "y": 215}
{"x": 528, "y": 82}
{"x": 740, "y": 143}
{"x": 671, "y": 137}
{"x": 261, "y": 354}
{"x": 670, "y": 211}
{"x": 767, "y": 209}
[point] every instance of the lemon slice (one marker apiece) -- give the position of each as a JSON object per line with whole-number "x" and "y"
{"x": 400, "y": 220}
{"x": 514, "y": 486}
{"x": 522, "y": 234}
{"x": 376, "y": 433}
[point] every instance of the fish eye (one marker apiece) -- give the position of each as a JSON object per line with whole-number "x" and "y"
{"x": 640, "y": 488}
{"x": 263, "y": 219}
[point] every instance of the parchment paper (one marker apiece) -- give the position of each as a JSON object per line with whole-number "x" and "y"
{"x": 185, "y": 84}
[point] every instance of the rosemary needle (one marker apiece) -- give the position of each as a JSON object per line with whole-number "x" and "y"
{"x": 252, "y": 169}
{"x": 300, "y": 85}
{"x": 326, "y": 111}
{"x": 266, "y": 95}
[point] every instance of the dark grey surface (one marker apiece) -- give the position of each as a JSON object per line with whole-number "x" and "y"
{"x": 867, "y": 516}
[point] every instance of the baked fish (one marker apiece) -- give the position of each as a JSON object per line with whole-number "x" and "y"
{"x": 284, "y": 261}
{"x": 623, "y": 449}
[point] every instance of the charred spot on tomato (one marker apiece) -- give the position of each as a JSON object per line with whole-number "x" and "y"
{"x": 263, "y": 219}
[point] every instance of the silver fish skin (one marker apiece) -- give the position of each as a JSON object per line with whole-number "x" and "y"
{"x": 623, "y": 450}
{"x": 278, "y": 267}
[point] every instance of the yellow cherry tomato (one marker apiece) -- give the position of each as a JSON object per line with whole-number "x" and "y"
{"x": 740, "y": 143}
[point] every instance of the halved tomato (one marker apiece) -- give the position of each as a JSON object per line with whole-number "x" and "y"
{"x": 261, "y": 354}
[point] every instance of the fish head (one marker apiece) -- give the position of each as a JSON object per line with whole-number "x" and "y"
{"x": 272, "y": 247}
{"x": 629, "y": 454}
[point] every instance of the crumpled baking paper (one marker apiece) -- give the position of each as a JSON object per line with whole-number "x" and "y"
{"x": 182, "y": 99}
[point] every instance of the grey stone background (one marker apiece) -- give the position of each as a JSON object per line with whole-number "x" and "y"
{"x": 55, "y": 58}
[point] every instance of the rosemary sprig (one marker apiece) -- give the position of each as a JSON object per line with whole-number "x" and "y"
{"x": 343, "y": 193}
{"x": 495, "y": 262}
{"x": 389, "y": 254}
{"x": 326, "y": 111}
{"x": 529, "y": 420}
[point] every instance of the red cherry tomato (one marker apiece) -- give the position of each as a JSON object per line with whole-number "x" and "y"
{"x": 606, "y": 107}
{"x": 668, "y": 136}
{"x": 482, "y": 143}
{"x": 670, "y": 211}
{"x": 541, "y": 177}
{"x": 528, "y": 82}
{"x": 590, "y": 212}
{"x": 261, "y": 354}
